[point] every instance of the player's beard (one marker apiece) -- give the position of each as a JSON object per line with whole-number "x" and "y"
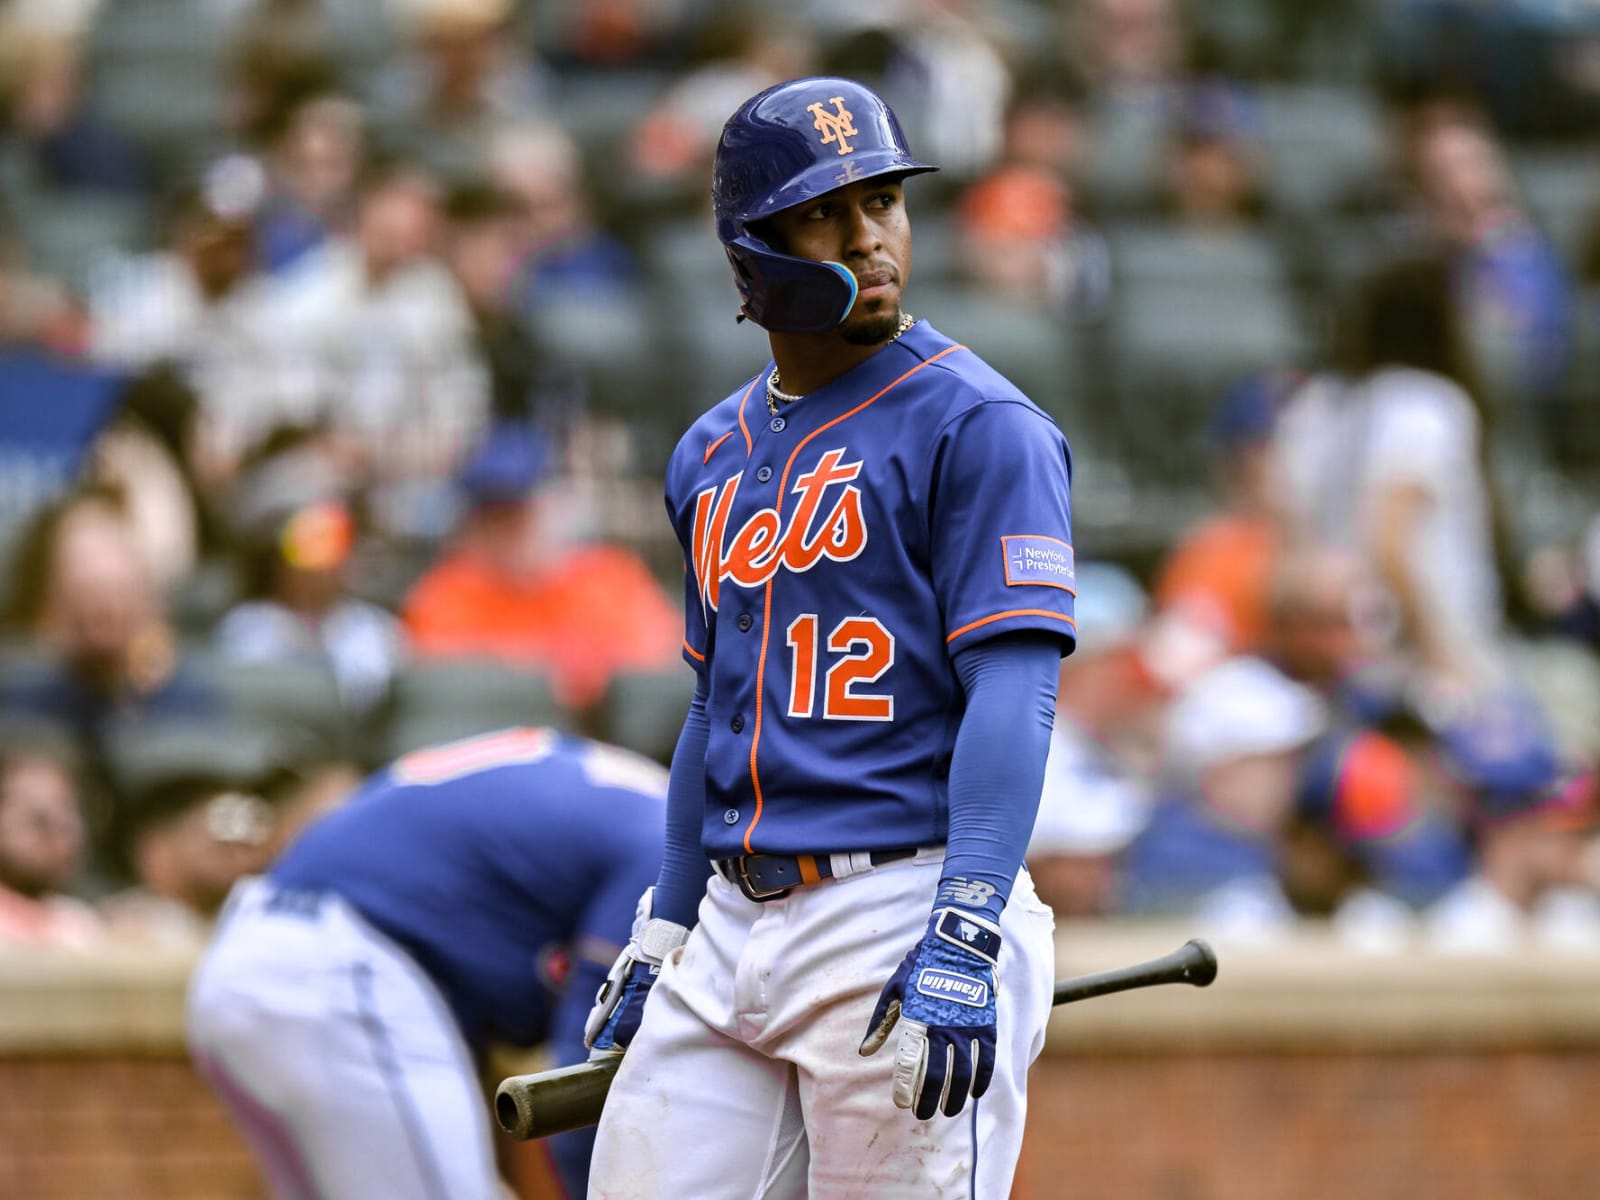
{"x": 872, "y": 330}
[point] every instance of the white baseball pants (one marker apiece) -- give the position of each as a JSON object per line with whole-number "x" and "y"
{"x": 337, "y": 1057}
{"x": 744, "y": 1081}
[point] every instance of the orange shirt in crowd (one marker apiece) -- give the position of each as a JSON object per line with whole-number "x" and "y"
{"x": 595, "y": 612}
{"x": 1223, "y": 570}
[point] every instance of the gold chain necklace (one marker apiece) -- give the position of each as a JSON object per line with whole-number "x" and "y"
{"x": 775, "y": 393}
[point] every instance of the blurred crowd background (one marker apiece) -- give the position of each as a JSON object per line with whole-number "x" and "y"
{"x": 343, "y": 343}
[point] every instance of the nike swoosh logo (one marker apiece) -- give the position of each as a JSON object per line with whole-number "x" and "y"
{"x": 711, "y": 447}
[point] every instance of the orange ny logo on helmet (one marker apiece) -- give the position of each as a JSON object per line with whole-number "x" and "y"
{"x": 834, "y": 126}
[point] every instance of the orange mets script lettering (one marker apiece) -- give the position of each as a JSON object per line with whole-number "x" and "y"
{"x": 765, "y": 543}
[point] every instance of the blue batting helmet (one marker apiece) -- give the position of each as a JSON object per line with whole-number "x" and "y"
{"x": 787, "y": 146}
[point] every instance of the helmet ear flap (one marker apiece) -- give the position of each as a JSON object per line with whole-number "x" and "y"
{"x": 785, "y": 294}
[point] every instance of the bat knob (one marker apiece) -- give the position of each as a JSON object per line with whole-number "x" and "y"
{"x": 1201, "y": 965}
{"x": 513, "y": 1110}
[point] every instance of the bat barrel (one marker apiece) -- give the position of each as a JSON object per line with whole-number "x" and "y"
{"x": 1194, "y": 963}
{"x": 536, "y": 1106}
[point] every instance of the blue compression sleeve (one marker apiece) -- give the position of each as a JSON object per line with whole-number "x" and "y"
{"x": 997, "y": 771}
{"x": 684, "y": 865}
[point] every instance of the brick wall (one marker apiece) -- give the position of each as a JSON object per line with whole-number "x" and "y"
{"x": 116, "y": 1128}
{"x": 1302, "y": 1074}
{"x": 1437, "y": 1126}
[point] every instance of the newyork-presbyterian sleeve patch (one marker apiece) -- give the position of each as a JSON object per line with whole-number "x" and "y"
{"x": 1036, "y": 559}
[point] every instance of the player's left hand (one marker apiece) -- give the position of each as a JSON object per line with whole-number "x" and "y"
{"x": 942, "y": 997}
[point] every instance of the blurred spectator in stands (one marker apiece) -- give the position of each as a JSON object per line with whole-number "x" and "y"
{"x": 485, "y": 243}
{"x": 1324, "y": 620}
{"x": 109, "y": 656}
{"x": 1045, "y": 124}
{"x": 736, "y": 54}
{"x": 199, "y": 305}
{"x": 1215, "y": 179}
{"x": 1127, "y": 46}
{"x": 615, "y": 35}
{"x": 465, "y": 74}
{"x": 1212, "y": 844}
{"x": 1368, "y": 844}
{"x": 1221, "y": 569}
{"x": 52, "y": 408}
{"x": 295, "y": 533}
{"x": 280, "y": 53}
{"x": 147, "y": 455}
{"x": 37, "y": 310}
{"x": 1096, "y": 790}
{"x": 1531, "y": 817}
{"x": 46, "y": 110}
{"x": 566, "y": 254}
{"x": 314, "y": 158}
{"x": 1569, "y": 587}
{"x": 192, "y": 822}
{"x": 383, "y": 338}
{"x": 1514, "y": 292}
{"x": 1132, "y": 57}
{"x": 43, "y": 837}
{"x": 943, "y": 63}
{"x": 1020, "y": 239}
{"x": 510, "y": 586}
{"x": 1388, "y": 459}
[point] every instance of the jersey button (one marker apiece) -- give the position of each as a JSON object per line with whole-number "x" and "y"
{"x": 778, "y": 425}
{"x": 764, "y": 474}
{"x": 745, "y": 621}
{"x": 737, "y": 724}
{"x": 730, "y": 817}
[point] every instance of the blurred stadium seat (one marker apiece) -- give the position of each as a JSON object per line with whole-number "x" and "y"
{"x": 644, "y": 710}
{"x": 442, "y": 699}
{"x": 70, "y": 235}
{"x": 1192, "y": 314}
{"x": 1323, "y": 144}
{"x": 1037, "y": 349}
{"x": 155, "y": 69}
{"x": 299, "y": 697}
{"x": 1561, "y": 186}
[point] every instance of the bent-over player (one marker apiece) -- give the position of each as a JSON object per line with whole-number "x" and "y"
{"x": 470, "y": 893}
{"x": 851, "y": 971}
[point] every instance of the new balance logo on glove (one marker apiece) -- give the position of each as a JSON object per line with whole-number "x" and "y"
{"x": 963, "y": 989}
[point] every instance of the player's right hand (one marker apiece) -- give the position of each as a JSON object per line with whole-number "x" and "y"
{"x": 619, "y": 1004}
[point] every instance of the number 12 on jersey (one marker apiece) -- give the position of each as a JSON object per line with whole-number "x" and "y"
{"x": 864, "y": 650}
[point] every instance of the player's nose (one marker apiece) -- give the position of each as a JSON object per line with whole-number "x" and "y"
{"x": 862, "y": 237}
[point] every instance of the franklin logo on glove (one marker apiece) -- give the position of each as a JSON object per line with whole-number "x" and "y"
{"x": 960, "y": 988}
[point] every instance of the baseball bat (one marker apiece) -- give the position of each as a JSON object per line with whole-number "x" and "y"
{"x": 547, "y": 1102}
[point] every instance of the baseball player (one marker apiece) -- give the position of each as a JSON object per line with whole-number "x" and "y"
{"x": 470, "y": 893}
{"x": 847, "y": 971}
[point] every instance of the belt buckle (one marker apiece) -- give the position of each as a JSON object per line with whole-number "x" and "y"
{"x": 741, "y": 876}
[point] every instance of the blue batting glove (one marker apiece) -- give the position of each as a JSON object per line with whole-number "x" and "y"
{"x": 942, "y": 997}
{"x": 619, "y": 1004}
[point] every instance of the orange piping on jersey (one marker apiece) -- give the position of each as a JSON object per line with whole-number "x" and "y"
{"x": 1015, "y": 612}
{"x": 766, "y": 616}
{"x": 749, "y": 446}
{"x": 693, "y": 653}
{"x": 711, "y": 447}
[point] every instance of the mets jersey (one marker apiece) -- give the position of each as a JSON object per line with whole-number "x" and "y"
{"x": 838, "y": 554}
{"x": 495, "y": 862}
